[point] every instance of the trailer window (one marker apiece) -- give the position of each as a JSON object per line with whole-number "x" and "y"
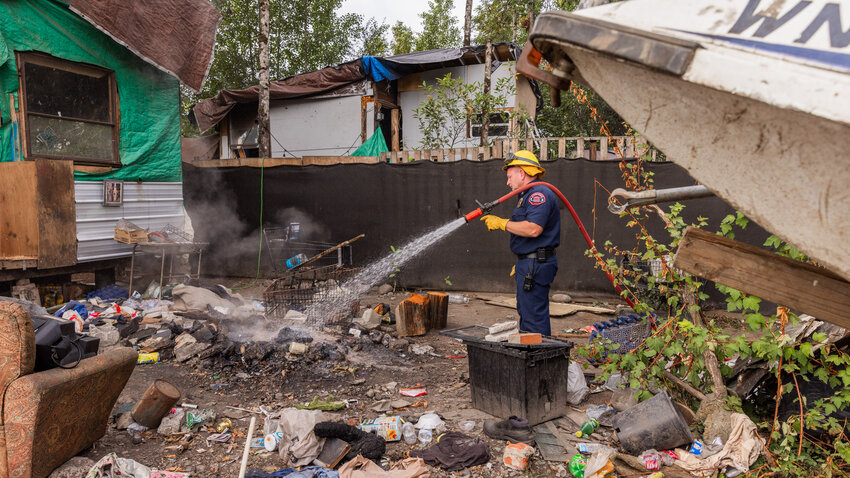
{"x": 69, "y": 110}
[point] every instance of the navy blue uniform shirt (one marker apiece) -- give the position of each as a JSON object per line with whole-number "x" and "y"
{"x": 537, "y": 204}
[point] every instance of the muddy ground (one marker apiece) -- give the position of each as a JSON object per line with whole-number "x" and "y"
{"x": 360, "y": 376}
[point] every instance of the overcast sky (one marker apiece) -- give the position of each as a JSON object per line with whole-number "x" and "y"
{"x": 391, "y": 11}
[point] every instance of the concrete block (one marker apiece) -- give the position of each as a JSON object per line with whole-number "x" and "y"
{"x": 370, "y": 320}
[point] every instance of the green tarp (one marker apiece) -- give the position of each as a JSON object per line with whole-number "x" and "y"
{"x": 373, "y": 146}
{"x": 149, "y": 131}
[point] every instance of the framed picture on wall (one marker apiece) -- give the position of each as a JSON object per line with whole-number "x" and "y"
{"x": 113, "y": 192}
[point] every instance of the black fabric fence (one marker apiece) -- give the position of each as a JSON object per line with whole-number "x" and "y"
{"x": 392, "y": 204}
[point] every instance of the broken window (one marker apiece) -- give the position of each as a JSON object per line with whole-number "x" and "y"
{"x": 500, "y": 125}
{"x": 69, "y": 110}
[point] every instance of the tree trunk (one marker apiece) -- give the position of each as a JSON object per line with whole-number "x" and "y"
{"x": 155, "y": 403}
{"x": 485, "y": 119}
{"x": 438, "y": 313}
{"x": 530, "y": 15}
{"x": 264, "y": 136}
{"x": 467, "y": 23}
{"x": 411, "y": 316}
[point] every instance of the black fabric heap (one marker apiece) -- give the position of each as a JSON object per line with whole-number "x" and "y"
{"x": 455, "y": 451}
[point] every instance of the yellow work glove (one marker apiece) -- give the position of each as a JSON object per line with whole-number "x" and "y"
{"x": 513, "y": 271}
{"x": 494, "y": 222}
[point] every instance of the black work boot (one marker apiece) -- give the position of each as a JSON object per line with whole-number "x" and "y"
{"x": 513, "y": 429}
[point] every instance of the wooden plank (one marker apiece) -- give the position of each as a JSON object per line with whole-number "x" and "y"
{"x": 544, "y": 149}
{"x": 486, "y": 153}
{"x": 394, "y": 129}
{"x": 630, "y": 148}
{"x": 57, "y": 218}
{"x": 417, "y": 155}
{"x": 529, "y": 144}
{"x": 385, "y": 157}
{"x": 514, "y": 145}
{"x": 363, "y": 101}
{"x": 562, "y": 147}
{"x": 579, "y": 147}
{"x": 603, "y": 149}
{"x": 19, "y": 214}
{"x": 329, "y": 160}
{"x": 758, "y": 272}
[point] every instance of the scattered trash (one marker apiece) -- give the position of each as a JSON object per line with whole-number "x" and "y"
{"x": 455, "y": 451}
{"x": 599, "y": 465}
{"x": 112, "y": 465}
{"x": 577, "y": 465}
{"x": 224, "y": 425}
{"x": 466, "y": 425}
{"x": 272, "y": 440}
{"x": 696, "y": 448}
{"x": 577, "y": 388}
{"x": 412, "y": 392}
{"x": 422, "y": 349}
{"x": 297, "y": 348}
{"x": 362, "y": 467}
{"x": 516, "y": 455}
{"x": 654, "y": 423}
{"x": 430, "y": 421}
{"x": 195, "y": 418}
{"x": 591, "y": 448}
{"x": 601, "y": 413}
{"x": 326, "y": 405}
{"x": 425, "y": 436}
{"x": 651, "y": 460}
{"x": 359, "y": 442}
{"x": 408, "y": 432}
{"x": 458, "y": 299}
{"x": 588, "y": 427}
{"x": 152, "y": 357}
{"x": 388, "y": 428}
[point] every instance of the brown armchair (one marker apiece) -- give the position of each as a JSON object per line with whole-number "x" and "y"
{"x": 48, "y": 417}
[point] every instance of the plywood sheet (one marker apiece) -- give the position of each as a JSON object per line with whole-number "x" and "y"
{"x": 556, "y": 309}
{"x": 57, "y": 223}
{"x": 19, "y": 215}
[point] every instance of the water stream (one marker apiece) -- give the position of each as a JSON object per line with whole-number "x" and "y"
{"x": 339, "y": 302}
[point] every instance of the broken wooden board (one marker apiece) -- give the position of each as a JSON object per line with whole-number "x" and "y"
{"x": 556, "y": 309}
{"x": 552, "y": 442}
{"x": 802, "y": 287}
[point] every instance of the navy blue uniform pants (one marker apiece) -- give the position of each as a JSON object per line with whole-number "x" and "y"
{"x": 533, "y": 305}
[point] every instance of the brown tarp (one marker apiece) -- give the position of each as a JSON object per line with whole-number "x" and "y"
{"x": 176, "y": 36}
{"x": 210, "y": 112}
{"x": 200, "y": 148}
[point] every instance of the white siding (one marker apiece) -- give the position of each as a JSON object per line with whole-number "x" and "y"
{"x": 409, "y": 100}
{"x": 328, "y": 126}
{"x": 148, "y": 205}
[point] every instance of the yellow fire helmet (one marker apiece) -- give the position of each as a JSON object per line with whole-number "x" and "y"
{"x": 527, "y": 161}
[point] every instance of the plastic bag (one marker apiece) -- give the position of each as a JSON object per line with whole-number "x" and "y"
{"x": 601, "y": 412}
{"x": 651, "y": 460}
{"x": 599, "y": 464}
{"x": 577, "y": 388}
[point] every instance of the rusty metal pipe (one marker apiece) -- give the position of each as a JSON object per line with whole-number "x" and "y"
{"x": 620, "y": 199}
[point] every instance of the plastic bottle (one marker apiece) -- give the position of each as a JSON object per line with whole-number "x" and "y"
{"x": 587, "y": 428}
{"x": 408, "y": 433}
{"x": 425, "y": 436}
{"x": 591, "y": 448}
{"x": 458, "y": 299}
{"x": 577, "y": 465}
{"x": 295, "y": 260}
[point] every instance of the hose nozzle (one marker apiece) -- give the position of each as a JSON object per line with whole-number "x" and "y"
{"x": 482, "y": 208}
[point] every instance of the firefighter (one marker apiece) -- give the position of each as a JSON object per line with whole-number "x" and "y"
{"x": 535, "y": 229}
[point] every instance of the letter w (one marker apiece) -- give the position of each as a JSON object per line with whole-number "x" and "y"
{"x": 830, "y": 14}
{"x": 749, "y": 17}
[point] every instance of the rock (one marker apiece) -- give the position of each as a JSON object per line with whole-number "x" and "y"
{"x": 289, "y": 334}
{"x": 73, "y": 468}
{"x": 370, "y": 320}
{"x": 242, "y": 375}
{"x": 400, "y": 345}
{"x": 295, "y": 316}
{"x": 172, "y": 422}
{"x": 358, "y": 381}
{"x": 421, "y": 349}
{"x": 123, "y": 420}
{"x": 385, "y": 289}
{"x": 563, "y": 298}
{"x": 107, "y": 334}
{"x": 256, "y": 351}
{"x": 390, "y": 386}
{"x": 399, "y": 403}
{"x": 376, "y": 336}
{"x": 204, "y": 334}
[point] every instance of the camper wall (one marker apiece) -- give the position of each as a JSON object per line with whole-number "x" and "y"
{"x": 148, "y": 98}
{"x": 150, "y": 205}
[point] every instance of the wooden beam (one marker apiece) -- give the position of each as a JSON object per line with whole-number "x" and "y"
{"x": 802, "y": 287}
{"x": 394, "y": 129}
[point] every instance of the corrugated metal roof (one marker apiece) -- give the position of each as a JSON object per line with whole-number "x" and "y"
{"x": 149, "y": 205}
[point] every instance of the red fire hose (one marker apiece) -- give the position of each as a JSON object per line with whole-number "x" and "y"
{"x": 488, "y": 206}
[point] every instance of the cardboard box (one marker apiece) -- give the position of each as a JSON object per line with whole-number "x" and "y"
{"x": 130, "y": 236}
{"x": 525, "y": 338}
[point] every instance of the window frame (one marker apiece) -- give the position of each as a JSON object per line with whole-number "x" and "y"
{"x": 471, "y": 124}
{"x": 43, "y": 59}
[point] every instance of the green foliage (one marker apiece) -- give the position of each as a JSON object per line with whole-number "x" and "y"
{"x": 684, "y": 334}
{"x": 447, "y": 281}
{"x": 439, "y": 27}
{"x": 373, "y": 37}
{"x": 508, "y": 20}
{"x": 573, "y": 118}
{"x": 450, "y": 102}
{"x": 404, "y": 39}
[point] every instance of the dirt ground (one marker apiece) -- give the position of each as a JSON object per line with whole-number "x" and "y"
{"x": 361, "y": 377}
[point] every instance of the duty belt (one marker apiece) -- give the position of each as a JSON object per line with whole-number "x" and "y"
{"x": 540, "y": 254}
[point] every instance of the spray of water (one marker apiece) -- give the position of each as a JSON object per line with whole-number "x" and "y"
{"x": 336, "y": 303}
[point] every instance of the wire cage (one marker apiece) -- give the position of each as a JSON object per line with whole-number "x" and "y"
{"x": 284, "y": 245}
{"x": 316, "y": 291}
